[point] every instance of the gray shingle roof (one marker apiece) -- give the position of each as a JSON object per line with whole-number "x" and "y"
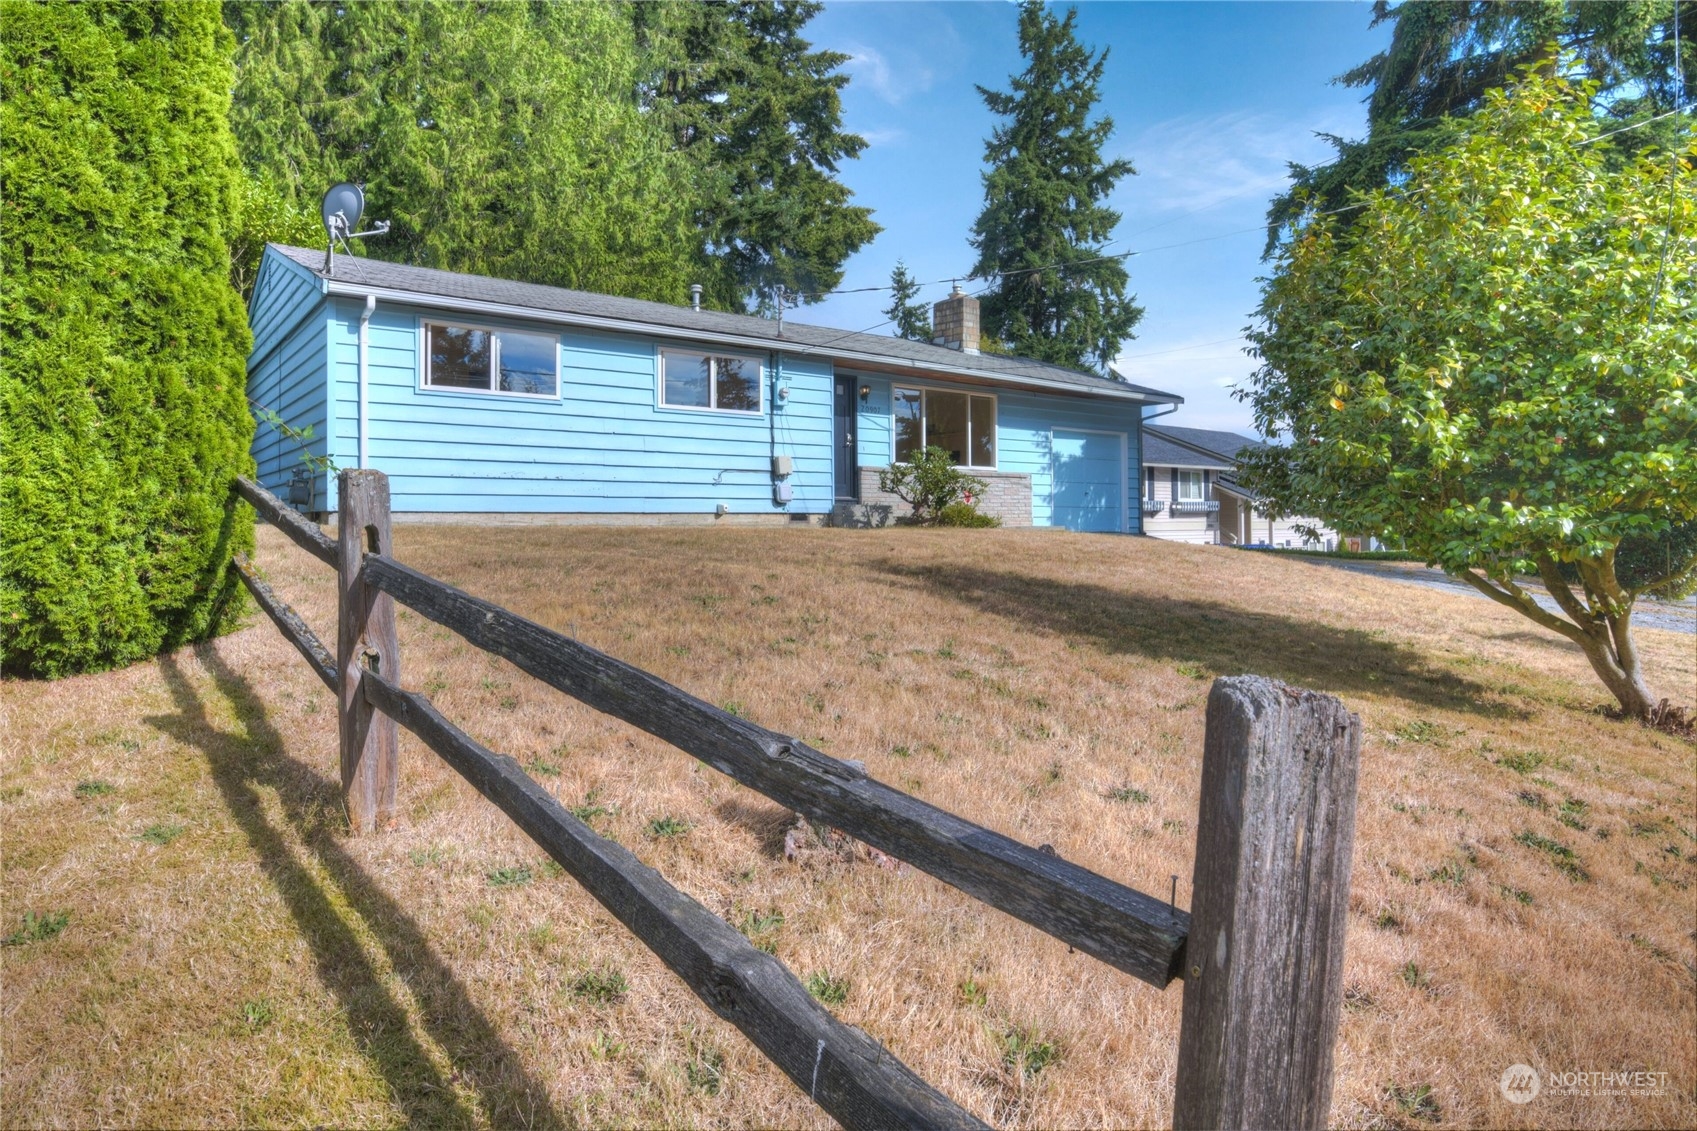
{"x": 1193, "y": 447}
{"x": 1161, "y": 452}
{"x": 873, "y": 350}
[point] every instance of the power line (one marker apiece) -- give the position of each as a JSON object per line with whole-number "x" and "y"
{"x": 1646, "y": 121}
{"x": 1061, "y": 266}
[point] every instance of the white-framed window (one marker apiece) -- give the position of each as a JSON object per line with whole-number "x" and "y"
{"x": 962, "y": 424}
{"x": 719, "y": 382}
{"x": 1191, "y": 486}
{"x": 482, "y": 359}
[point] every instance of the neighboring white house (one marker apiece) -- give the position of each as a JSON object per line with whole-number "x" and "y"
{"x": 1191, "y": 494}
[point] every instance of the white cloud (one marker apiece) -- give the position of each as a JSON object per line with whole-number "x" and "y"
{"x": 1202, "y": 370}
{"x": 1195, "y": 161}
{"x": 891, "y": 81}
{"x": 891, "y": 136}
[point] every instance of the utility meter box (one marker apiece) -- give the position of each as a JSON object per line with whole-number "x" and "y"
{"x": 782, "y": 492}
{"x": 782, "y": 467}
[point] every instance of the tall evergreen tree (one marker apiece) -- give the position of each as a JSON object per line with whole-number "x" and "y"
{"x": 1445, "y": 55}
{"x": 501, "y": 139}
{"x": 759, "y": 114}
{"x": 123, "y": 417}
{"x": 912, "y": 319}
{"x": 1044, "y": 218}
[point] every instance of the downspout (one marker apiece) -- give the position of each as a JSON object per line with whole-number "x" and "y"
{"x": 1142, "y": 419}
{"x": 364, "y": 337}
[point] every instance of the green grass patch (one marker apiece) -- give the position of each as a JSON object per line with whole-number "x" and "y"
{"x": 706, "y": 1071}
{"x": 1572, "y": 814}
{"x": 603, "y": 987}
{"x": 516, "y": 876}
{"x": 760, "y": 928}
{"x": 258, "y": 1014}
{"x": 1415, "y": 1102}
{"x": 1423, "y": 731}
{"x": 828, "y": 989}
{"x": 1524, "y": 762}
{"x": 160, "y": 835}
{"x": 93, "y": 788}
{"x": 1563, "y": 857}
{"x": 37, "y": 928}
{"x": 592, "y": 808}
{"x": 1127, "y": 793}
{"x": 662, "y": 827}
{"x": 1025, "y": 1051}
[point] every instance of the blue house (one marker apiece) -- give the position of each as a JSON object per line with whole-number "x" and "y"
{"x": 486, "y": 400}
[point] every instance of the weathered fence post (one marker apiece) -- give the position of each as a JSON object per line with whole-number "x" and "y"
{"x": 365, "y": 635}
{"x": 1264, "y": 963}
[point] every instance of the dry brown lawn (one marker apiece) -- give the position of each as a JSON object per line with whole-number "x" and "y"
{"x": 1523, "y": 886}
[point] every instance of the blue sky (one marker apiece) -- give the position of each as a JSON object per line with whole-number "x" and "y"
{"x": 1209, "y": 100}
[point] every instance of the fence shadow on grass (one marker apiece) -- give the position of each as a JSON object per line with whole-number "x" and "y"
{"x": 1223, "y": 639}
{"x": 244, "y": 764}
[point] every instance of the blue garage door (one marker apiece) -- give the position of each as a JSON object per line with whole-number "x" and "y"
{"x": 1089, "y": 479}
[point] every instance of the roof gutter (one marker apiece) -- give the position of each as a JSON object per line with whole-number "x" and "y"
{"x": 619, "y": 325}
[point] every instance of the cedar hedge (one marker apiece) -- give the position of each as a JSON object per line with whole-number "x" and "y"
{"x": 123, "y": 413}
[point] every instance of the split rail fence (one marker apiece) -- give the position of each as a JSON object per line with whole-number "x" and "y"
{"x": 1260, "y": 952}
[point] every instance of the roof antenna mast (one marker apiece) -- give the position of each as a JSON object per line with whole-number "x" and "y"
{"x": 341, "y": 209}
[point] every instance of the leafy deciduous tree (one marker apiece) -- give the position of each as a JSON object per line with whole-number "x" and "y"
{"x": 122, "y": 409}
{"x": 1495, "y": 369}
{"x": 1043, "y": 206}
{"x": 1444, "y": 56}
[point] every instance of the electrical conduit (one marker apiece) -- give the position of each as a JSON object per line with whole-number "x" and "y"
{"x": 364, "y": 338}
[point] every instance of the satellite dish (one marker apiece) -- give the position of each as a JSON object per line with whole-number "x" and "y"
{"x": 342, "y": 207}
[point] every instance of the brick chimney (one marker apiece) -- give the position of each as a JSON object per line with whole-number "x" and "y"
{"x": 954, "y": 322}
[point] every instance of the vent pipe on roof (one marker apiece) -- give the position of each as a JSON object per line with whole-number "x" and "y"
{"x": 695, "y": 296}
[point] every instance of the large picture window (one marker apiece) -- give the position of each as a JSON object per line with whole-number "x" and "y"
{"x": 962, "y": 424}
{"x": 491, "y": 361}
{"x": 726, "y": 382}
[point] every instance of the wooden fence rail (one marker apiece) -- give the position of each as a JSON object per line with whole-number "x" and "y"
{"x": 1125, "y": 928}
{"x": 842, "y": 1069}
{"x": 1262, "y": 960}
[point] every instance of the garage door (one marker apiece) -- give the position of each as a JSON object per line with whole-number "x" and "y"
{"x": 1089, "y": 480}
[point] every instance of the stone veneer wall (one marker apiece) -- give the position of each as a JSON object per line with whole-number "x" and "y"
{"x": 1007, "y": 495}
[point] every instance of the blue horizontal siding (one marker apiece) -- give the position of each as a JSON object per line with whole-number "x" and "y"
{"x": 1025, "y": 424}
{"x": 282, "y": 293}
{"x": 602, "y": 445}
{"x": 287, "y": 371}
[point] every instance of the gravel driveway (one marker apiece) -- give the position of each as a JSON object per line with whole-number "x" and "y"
{"x": 1673, "y": 616}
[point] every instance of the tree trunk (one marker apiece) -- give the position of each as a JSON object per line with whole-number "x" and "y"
{"x": 1601, "y": 624}
{"x": 1621, "y": 674}
{"x": 1605, "y": 623}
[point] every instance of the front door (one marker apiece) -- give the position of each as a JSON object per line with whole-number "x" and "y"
{"x": 846, "y": 458}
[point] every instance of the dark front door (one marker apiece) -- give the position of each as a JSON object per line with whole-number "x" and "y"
{"x": 846, "y": 461}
